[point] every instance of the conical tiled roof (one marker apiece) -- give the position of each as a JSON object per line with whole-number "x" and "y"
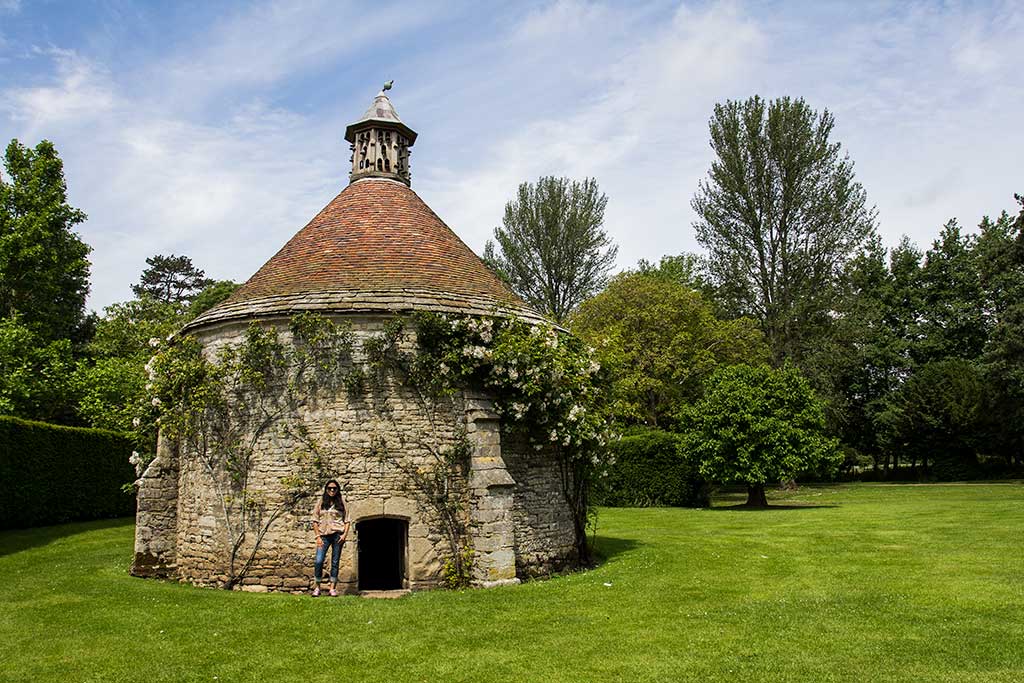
{"x": 375, "y": 247}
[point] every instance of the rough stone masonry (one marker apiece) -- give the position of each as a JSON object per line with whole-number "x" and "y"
{"x": 376, "y": 251}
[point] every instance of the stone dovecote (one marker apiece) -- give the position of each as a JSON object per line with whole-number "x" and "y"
{"x": 375, "y": 252}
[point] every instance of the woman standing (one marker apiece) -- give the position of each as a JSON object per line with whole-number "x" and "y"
{"x": 331, "y": 529}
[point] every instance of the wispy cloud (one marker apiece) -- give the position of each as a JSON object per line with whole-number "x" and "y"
{"x": 226, "y": 186}
{"x": 222, "y": 143}
{"x": 261, "y": 46}
{"x": 79, "y": 90}
{"x": 927, "y": 125}
{"x": 641, "y": 130}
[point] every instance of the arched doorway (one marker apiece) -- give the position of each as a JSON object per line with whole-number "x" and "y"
{"x": 381, "y": 552}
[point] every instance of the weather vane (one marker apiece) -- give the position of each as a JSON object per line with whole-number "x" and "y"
{"x": 387, "y": 86}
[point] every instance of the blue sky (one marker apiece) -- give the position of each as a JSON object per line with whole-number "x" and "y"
{"x": 214, "y": 129}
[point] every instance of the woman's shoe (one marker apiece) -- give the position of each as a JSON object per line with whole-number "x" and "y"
{"x": 316, "y": 592}
{"x": 334, "y": 593}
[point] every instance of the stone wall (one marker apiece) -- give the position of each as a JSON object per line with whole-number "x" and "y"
{"x": 156, "y": 516}
{"x": 517, "y": 518}
{"x": 544, "y": 536}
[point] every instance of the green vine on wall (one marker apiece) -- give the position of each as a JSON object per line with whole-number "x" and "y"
{"x": 440, "y": 482}
{"x": 218, "y": 405}
{"x": 546, "y": 385}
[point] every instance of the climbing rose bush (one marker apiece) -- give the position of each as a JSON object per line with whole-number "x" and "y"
{"x": 546, "y": 384}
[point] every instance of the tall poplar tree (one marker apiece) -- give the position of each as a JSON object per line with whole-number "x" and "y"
{"x": 551, "y": 248}
{"x": 779, "y": 214}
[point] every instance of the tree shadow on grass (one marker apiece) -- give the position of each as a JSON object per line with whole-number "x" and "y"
{"x": 770, "y": 508}
{"x": 738, "y": 498}
{"x": 16, "y": 540}
{"x": 607, "y": 547}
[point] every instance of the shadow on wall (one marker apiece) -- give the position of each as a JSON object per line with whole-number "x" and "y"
{"x": 17, "y": 540}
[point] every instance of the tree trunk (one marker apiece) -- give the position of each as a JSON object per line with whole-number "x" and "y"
{"x": 755, "y": 496}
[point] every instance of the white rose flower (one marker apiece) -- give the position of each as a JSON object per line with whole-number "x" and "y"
{"x": 156, "y": 401}
{"x": 136, "y": 422}
{"x": 154, "y": 342}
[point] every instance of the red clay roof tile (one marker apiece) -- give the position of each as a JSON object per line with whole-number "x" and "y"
{"x": 376, "y": 236}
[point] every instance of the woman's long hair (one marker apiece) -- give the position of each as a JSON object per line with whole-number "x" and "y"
{"x": 327, "y": 501}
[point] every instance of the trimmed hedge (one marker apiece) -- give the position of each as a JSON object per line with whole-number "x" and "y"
{"x": 51, "y": 474}
{"x": 652, "y": 469}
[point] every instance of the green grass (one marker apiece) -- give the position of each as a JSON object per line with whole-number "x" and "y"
{"x": 893, "y": 583}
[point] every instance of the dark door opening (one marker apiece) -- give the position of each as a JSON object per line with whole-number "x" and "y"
{"x": 382, "y": 553}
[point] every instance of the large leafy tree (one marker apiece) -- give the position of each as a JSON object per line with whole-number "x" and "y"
{"x": 551, "y": 248}
{"x": 44, "y": 269}
{"x": 780, "y": 214}
{"x": 684, "y": 269}
{"x": 953, "y": 319}
{"x": 171, "y": 279}
{"x": 112, "y": 380}
{"x": 660, "y": 340}
{"x": 34, "y": 374}
{"x": 757, "y": 425}
{"x": 867, "y": 355}
{"x": 110, "y": 383}
{"x": 1000, "y": 257}
{"x": 214, "y": 293}
{"x": 937, "y": 414}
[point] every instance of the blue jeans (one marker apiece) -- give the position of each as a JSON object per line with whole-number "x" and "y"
{"x": 335, "y": 543}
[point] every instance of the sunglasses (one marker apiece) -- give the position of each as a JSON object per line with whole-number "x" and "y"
{"x": 332, "y": 488}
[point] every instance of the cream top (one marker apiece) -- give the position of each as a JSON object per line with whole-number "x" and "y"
{"x": 329, "y": 520}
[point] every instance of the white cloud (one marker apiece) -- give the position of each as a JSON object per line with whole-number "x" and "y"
{"x": 266, "y": 43}
{"x": 79, "y": 90}
{"x": 196, "y": 151}
{"x": 930, "y": 128}
{"x": 641, "y": 134}
{"x": 227, "y": 186}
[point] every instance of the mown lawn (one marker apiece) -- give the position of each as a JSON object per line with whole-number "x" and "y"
{"x": 875, "y": 583}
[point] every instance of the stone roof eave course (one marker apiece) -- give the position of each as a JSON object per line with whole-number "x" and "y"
{"x": 399, "y": 301}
